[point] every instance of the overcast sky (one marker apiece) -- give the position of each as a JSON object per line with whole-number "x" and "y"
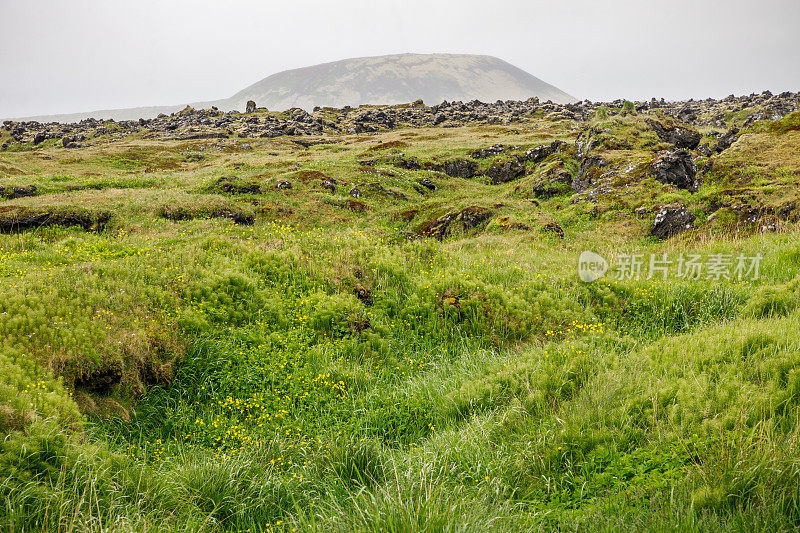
{"x": 60, "y": 57}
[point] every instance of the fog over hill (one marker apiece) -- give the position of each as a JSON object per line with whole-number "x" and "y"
{"x": 388, "y": 79}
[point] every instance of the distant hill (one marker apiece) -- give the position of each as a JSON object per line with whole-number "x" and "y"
{"x": 396, "y": 79}
{"x": 388, "y": 79}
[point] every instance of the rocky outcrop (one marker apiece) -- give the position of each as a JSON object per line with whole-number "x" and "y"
{"x": 468, "y": 218}
{"x": 490, "y": 151}
{"x": 671, "y": 220}
{"x": 589, "y": 172}
{"x": 460, "y": 168}
{"x": 540, "y": 153}
{"x": 725, "y": 141}
{"x": 505, "y": 171}
{"x": 681, "y": 135}
{"x": 213, "y": 123}
{"x": 677, "y": 169}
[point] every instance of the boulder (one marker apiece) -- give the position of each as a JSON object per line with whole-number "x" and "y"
{"x": 460, "y": 168}
{"x": 540, "y": 153}
{"x": 725, "y": 142}
{"x": 251, "y": 107}
{"x": 678, "y": 169}
{"x": 473, "y": 216}
{"x": 588, "y": 172}
{"x": 681, "y": 135}
{"x": 490, "y": 151}
{"x": 505, "y": 171}
{"x": 671, "y": 220}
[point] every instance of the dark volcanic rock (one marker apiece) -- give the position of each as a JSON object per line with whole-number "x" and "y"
{"x": 588, "y": 172}
{"x": 473, "y": 216}
{"x": 9, "y": 193}
{"x": 671, "y": 220}
{"x": 540, "y": 153}
{"x": 678, "y": 169}
{"x": 406, "y": 163}
{"x": 556, "y": 181}
{"x": 681, "y": 135}
{"x": 283, "y": 184}
{"x": 469, "y": 217}
{"x": 438, "y": 228}
{"x": 491, "y": 151}
{"x": 460, "y": 168}
{"x": 725, "y": 142}
{"x": 505, "y": 171}
{"x": 251, "y": 107}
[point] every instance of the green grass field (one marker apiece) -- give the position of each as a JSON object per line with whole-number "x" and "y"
{"x": 185, "y": 346}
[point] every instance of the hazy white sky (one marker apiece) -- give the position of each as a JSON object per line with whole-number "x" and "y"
{"x": 59, "y": 57}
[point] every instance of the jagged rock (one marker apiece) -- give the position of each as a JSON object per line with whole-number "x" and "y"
{"x": 671, "y": 220}
{"x": 588, "y": 172}
{"x": 213, "y": 123}
{"x": 725, "y": 142}
{"x": 505, "y": 171}
{"x": 460, "y": 168}
{"x": 678, "y": 169}
{"x": 540, "y": 153}
{"x": 556, "y": 181}
{"x": 469, "y": 217}
{"x": 681, "y": 135}
{"x": 491, "y": 151}
{"x": 687, "y": 114}
{"x": 283, "y": 184}
{"x": 473, "y": 216}
{"x": 438, "y": 228}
